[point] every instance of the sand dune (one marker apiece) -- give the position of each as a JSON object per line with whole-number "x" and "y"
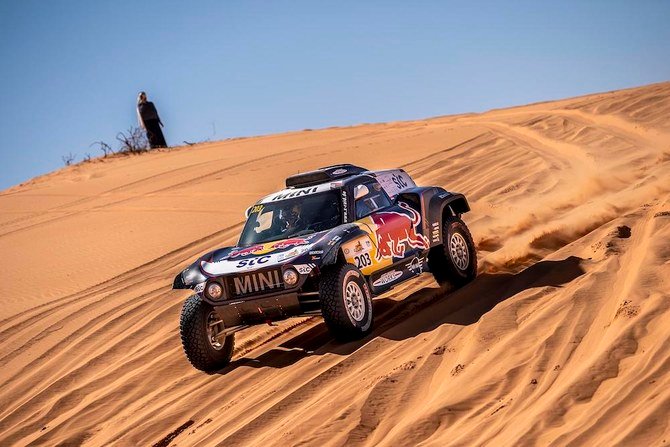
{"x": 564, "y": 338}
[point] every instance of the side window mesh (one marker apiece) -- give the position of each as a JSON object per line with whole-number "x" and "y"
{"x": 375, "y": 199}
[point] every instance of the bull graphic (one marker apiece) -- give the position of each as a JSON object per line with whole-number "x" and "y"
{"x": 395, "y": 231}
{"x": 266, "y": 248}
{"x": 245, "y": 251}
{"x": 287, "y": 243}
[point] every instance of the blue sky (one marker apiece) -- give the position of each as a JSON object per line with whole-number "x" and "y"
{"x": 216, "y": 69}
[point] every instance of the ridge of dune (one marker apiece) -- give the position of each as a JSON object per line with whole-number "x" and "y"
{"x": 563, "y": 339}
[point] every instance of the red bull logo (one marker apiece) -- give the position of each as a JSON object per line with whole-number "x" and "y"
{"x": 288, "y": 243}
{"x": 269, "y": 247}
{"x": 397, "y": 231}
{"x": 245, "y": 251}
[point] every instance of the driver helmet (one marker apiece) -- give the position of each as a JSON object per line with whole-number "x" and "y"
{"x": 293, "y": 214}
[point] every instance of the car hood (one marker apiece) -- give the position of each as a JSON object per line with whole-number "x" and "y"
{"x": 313, "y": 249}
{"x": 241, "y": 259}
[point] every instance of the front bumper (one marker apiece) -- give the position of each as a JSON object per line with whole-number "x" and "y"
{"x": 258, "y": 310}
{"x": 259, "y": 306}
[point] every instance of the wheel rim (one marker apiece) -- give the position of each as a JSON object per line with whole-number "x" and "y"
{"x": 214, "y": 328}
{"x": 354, "y": 302}
{"x": 458, "y": 250}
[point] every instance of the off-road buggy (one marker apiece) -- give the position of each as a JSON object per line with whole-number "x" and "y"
{"x": 326, "y": 245}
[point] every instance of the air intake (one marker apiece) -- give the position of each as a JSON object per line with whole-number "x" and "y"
{"x": 323, "y": 175}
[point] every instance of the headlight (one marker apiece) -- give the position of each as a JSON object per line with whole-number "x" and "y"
{"x": 214, "y": 290}
{"x": 290, "y": 277}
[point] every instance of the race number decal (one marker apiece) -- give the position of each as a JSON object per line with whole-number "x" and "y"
{"x": 363, "y": 260}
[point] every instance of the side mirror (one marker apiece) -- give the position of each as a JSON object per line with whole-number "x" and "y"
{"x": 360, "y": 191}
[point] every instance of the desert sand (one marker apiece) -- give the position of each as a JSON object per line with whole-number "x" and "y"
{"x": 563, "y": 339}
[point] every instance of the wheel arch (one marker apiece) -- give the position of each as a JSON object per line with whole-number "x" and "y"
{"x": 444, "y": 204}
{"x": 333, "y": 253}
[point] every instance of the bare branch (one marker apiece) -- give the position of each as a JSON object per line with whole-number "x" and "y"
{"x": 104, "y": 147}
{"x": 133, "y": 140}
{"x": 68, "y": 159}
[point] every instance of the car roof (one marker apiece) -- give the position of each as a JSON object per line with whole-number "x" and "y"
{"x": 393, "y": 181}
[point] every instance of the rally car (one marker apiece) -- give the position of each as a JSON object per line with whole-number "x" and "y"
{"x": 326, "y": 245}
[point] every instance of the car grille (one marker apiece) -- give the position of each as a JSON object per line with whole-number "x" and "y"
{"x": 255, "y": 283}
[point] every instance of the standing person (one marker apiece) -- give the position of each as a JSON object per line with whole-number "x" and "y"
{"x": 150, "y": 121}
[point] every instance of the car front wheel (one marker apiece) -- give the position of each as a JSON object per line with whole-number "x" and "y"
{"x": 346, "y": 302}
{"x": 200, "y": 328}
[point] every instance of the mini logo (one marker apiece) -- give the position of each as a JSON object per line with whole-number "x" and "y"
{"x": 287, "y": 194}
{"x": 256, "y": 282}
{"x": 387, "y": 277}
{"x": 415, "y": 265}
{"x": 339, "y": 171}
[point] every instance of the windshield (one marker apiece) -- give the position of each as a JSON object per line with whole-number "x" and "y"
{"x": 292, "y": 217}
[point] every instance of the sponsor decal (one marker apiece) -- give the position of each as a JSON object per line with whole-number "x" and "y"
{"x": 316, "y": 252}
{"x": 256, "y": 282}
{"x": 334, "y": 240}
{"x": 415, "y": 265}
{"x": 394, "y": 181}
{"x": 287, "y": 243}
{"x": 443, "y": 195}
{"x": 387, "y": 278}
{"x": 289, "y": 193}
{"x": 245, "y": 251}
{"x": 199, "y": 288}
{"x": 295, "y": 193}
{"x": 362, "y": 246}
{"x": 291, "y": 254}
{"x": 435, "y": 231}
{"x": 396, "y": 230}
{"x": 304, "y": 269}
{"x": 268, "y": 248}
{"x": 399, "y": 181}
{"x": 252, "y": 262}
{"x": 345, "y": 208}
{"x": 339, "y": 171}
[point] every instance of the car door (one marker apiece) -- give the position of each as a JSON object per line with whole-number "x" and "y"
{"x": 390, "y": 228}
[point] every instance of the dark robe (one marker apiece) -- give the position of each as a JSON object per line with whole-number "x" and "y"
{"x": 152, "y": 124}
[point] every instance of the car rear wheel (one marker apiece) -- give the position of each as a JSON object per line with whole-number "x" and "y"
{"x": 346, "y": 302}
{"x": 200, "y": 329}
{"x": 455, "y": 261}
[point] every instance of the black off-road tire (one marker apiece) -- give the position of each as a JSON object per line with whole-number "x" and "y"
{"x": 193, "y": 329}
{"x": 444, "y": 265}
{"x": 345, "y": 322}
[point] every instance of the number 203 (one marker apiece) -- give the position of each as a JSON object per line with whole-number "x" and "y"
{"x": 363, "y": 260}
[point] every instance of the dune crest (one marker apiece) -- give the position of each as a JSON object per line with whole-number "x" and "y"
{"x": 562, "y": 340}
